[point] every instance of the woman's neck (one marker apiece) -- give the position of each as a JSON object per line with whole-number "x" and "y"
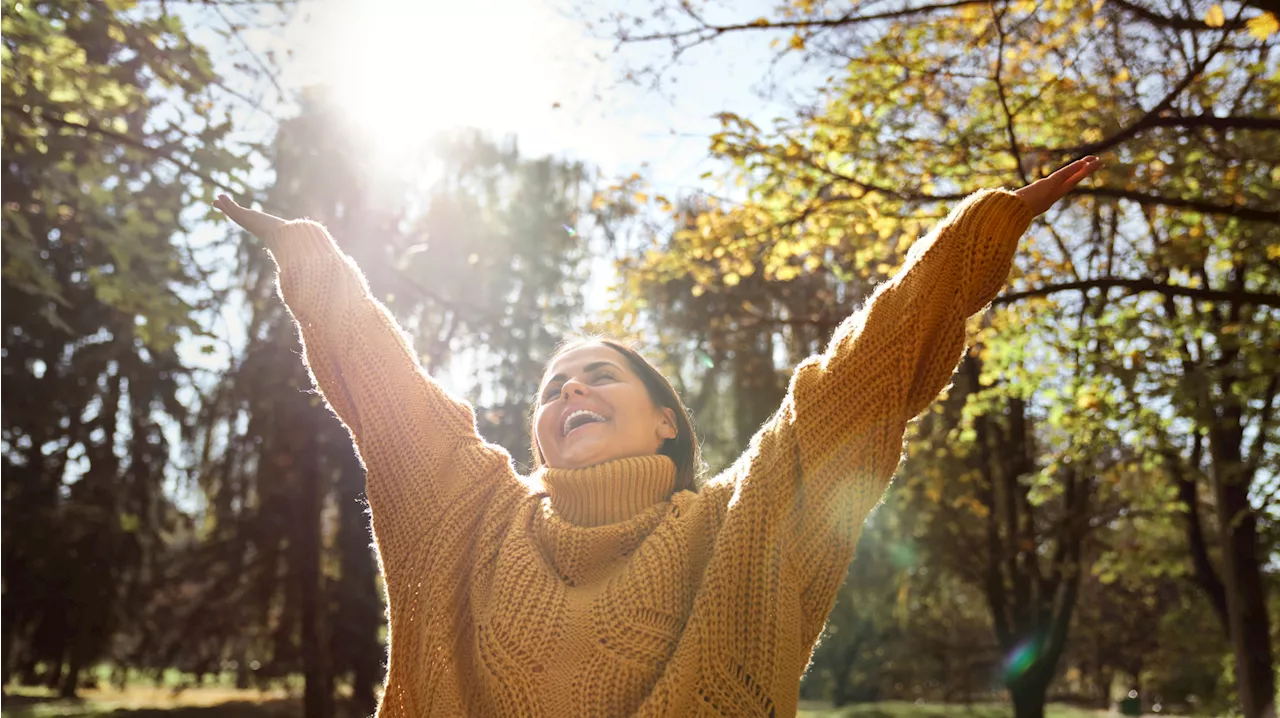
{"x": 609, "y": 492}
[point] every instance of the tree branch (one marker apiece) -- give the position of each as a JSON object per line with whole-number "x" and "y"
{"x": 1159, "y": 107}
{"x": 120, "y": 137}
{"x": 1174, "y": 22}
{"x": 1253, "y": 455}
{"x": 998, "y": 15}
{"x": 1206, "y": 120}
{"x": 848, "y": 19}
{"x": 1242, "y": 212}
{"x": 1135, "y": 286}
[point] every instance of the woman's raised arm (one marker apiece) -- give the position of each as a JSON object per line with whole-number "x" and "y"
{"x": 428, "y": 470}
{"x": 824, "y": 460}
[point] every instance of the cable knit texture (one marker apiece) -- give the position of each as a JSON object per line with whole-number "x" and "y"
{"x": 596, "y": 591}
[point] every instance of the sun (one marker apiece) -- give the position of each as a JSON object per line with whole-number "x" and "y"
{"x": 402, "y": 71}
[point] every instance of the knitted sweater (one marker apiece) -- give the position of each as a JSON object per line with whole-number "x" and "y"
{"x": 597, "y": 591}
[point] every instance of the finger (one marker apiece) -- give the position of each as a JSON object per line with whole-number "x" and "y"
{"x": 1070, "y": 171}
{"x": 1089, "y": 168}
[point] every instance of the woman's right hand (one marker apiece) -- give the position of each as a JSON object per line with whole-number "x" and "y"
{"x": 259, "y": 224}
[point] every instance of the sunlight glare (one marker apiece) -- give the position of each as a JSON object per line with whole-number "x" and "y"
{"x": 405, "y": 71}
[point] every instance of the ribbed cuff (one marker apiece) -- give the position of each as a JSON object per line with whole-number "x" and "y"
{"x": 610, "y": 492}
{"x": 1001, "y": 212}
{"x": 300, "y": 238}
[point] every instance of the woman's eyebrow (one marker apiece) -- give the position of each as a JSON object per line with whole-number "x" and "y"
{"x": 588, "y": 368}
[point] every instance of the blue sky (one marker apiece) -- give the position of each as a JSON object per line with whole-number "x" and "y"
{"x": 405, "y": 70}
{"x": 531, "y": 69}
{"x": 505, "y": 65}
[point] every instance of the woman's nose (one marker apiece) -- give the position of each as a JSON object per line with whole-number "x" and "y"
{"x": 574, "y": 389}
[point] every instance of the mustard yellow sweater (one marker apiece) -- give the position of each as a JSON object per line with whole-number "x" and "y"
{"x": 597, "y": 591}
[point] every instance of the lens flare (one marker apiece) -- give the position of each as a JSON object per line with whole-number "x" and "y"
{"x": 1020, "y": 659}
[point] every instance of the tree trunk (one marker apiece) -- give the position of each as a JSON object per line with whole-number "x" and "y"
{"x": 1028, "y": 697}
{"x": 54, "y": 678}
{"x": 318, "y": 694}
{"x": 71, "y": 678}
{"x": 355, "y": 634}
{"x": 1246, "y": 602}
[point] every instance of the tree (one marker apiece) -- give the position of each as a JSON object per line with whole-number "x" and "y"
{"x": 466, "y": 268}
{"x": 97, "y": 285}
{"x": 1163, "y": 260}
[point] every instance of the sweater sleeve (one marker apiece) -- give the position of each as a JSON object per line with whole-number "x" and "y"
{"x": 429, "y": 474}
{"x": 824, "y": 460}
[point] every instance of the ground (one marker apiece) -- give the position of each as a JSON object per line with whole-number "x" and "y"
{"x": 148, "y": 702}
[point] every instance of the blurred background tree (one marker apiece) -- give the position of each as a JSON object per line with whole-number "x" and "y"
{"x": 1129, "y": 372}
{"x": 1091, "y": 508}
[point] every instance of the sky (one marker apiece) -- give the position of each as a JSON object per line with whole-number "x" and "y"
{"x": 532, "y": 69}
{"x": 406, "y": 70}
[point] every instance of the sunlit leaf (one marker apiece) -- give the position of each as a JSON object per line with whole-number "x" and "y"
{"x": 1215, "y": 17}
{"x": 1263, "y": 26}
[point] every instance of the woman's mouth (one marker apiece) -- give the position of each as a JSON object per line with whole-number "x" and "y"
{"x": 579, "y": 419}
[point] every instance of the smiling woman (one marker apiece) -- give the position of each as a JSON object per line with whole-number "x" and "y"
{"x": 635, "y": 409}
{"x": 604, "y": 583}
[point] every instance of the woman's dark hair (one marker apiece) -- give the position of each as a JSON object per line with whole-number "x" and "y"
{"x": 683, "y": 449}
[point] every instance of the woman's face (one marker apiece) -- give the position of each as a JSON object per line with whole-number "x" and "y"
{"x": 593, "y": 408}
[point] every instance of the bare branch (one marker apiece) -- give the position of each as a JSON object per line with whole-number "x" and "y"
{"x": 707, "y": 31}
{"x": 1175, "y": 22}
{"x": 1164, "y": 104}
{"x": 1135, "y": 286}
{"x": 998, "y": 15}
{"x": 1187, "y": 122}
{"x": 1240, "y": 211}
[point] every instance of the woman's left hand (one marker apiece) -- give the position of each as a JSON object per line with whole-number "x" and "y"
{"x": 1041, "y": 194}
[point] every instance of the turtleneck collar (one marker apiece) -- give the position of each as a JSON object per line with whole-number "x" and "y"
{"x": 610, "y": 492}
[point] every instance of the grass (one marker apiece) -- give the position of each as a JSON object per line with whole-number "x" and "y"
{"x": 224, "y": 702}
{"x": 151, "y": 702}
{"x": 895, "y": 709}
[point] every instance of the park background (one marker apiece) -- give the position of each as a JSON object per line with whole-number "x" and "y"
{"x": 1089, "y": 513}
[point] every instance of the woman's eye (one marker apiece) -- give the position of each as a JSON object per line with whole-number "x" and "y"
{"x": 600, "y": 377}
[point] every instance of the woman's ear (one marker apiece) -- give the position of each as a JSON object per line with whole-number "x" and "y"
{"x": 667, "y": 427}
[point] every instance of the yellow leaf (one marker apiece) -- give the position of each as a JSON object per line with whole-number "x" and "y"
{"x": 761, "y": 22}
{"x": 1263, "y": 26}
{"x": 640, "y": 197}
{"x": 1215, "y": 17}
{"x": 797, "y": 42}
{"x": 732, "y": 279}
{"x": 697, "y": 290}
{"x": 1123, "y": 75}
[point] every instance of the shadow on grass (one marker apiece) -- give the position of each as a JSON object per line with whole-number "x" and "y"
{"x": 47, "y": 707}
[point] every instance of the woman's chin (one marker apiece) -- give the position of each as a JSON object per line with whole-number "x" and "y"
{"x": 582, "y": 454}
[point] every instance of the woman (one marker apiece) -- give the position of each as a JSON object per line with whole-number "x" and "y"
{"x": 612, "y": 587}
